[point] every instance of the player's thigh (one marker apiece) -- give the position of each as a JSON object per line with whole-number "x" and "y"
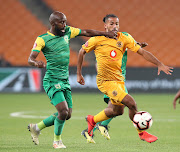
{"x": 68, "y": 97}
{"x": 117, "y": 109}
{"x": 57, "y": 98}
{"x": 129, "y": 101}
{"x": 113, "y": 89}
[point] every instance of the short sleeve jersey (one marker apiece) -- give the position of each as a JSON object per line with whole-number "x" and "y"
{"x": 109, "y": 53}
{"x": 56, "y": 51}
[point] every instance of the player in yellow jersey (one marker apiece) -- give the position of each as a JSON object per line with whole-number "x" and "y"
{"x": 110, "y": 81}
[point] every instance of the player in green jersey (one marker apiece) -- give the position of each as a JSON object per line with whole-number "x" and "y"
{"x": 55, "y": 46}
{"x": 103, "y": 126}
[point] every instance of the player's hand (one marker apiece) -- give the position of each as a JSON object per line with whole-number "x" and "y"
{"x": 40, "y": 64}
{"x": 112, "y": 35}
{"x": 80, "y": 79}
{"x": 143, "y": 44}
{"x": 166, "y": 69}
{"x": 174, "y": 103}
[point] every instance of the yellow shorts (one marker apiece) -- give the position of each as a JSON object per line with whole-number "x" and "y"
{"x": 115, "y": 90}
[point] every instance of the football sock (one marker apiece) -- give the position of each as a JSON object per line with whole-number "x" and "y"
{"x": 40, "y": 126}
{"x": 58, "y": 128}
{"x": 50, "y": 120}
{"x": 57, "y": 137}
{"x": 100, "y": 117}
{"x": 106, "y": 122}
{"x": 96, "y": 126}
{"x": 139, "y": 131}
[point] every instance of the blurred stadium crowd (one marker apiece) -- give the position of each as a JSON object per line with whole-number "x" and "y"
{"x": 151, "y": 21}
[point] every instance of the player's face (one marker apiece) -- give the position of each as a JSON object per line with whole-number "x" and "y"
{"x": 112, "y": 24}
{"x": 60, "y": 25}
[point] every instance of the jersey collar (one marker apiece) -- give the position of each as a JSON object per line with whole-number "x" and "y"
{"x": 50, "y": 33}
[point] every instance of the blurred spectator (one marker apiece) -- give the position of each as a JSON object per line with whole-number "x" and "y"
{"x": 3, "y": 62}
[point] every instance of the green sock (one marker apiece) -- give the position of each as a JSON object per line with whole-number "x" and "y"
{"x": 58, "y": 128}
{"x": 106, "y": 122}
{"x": 95, "y": 127}
{"x": 50, "y": 120}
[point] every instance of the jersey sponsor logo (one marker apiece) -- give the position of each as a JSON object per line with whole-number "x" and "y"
{"x": 34, "y": 46}
{"x": 66, "y": 38}
{"x": 119, "y": 44}
{"x": 57, "y": 86}
{"x": 113, "y": 53}
{"x": 86, "y": 44}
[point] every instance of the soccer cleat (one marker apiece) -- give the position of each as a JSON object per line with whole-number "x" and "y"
{"x": 34, "y": 134}
{"x": 147, "y": 137}
{"x": 87, "y": 136}
{"x": 104, "y": 131}
{"x": 58, "y": 144}
{"x": 91, "y": 124}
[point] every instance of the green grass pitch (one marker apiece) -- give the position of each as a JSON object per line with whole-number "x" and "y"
{"x": 31, "y": 108}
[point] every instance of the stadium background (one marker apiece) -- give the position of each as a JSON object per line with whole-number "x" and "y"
{"x": 154, "y": 22}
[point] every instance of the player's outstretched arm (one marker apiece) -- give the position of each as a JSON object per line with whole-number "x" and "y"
{"x": 33, "y": 62}
{"x": 143, "y": 44}
{"x": 90, "y": 33}
{"x": 177, "y": 96}
{"x": 81, "y": 55}
{"x": 151, "y": 58}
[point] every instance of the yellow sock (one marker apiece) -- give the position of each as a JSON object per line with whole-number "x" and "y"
{"x": 41, "y": 125}
{"x": 139, "y": 131}
{"x": 100, "y": 117}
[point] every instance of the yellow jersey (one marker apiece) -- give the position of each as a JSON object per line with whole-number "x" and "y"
{"x": 109, "y": 53}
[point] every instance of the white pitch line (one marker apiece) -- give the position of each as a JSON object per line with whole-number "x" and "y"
{"x": 28, "y": 114}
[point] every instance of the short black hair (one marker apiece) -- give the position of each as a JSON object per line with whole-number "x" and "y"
{"x": 108, "y": 16}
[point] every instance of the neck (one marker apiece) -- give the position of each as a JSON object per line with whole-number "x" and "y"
{"x": 52, "y": 31}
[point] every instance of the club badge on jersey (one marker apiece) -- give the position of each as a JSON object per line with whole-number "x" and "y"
{"x": 57, "y": 86}
{"x": 119, "y": 44}
{"x": 66, "y": 38}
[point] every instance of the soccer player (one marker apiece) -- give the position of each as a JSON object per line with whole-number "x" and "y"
{"x": 55, "y": 46}
{"x": 177, "y": 96}
{"x": 103, "y": 126}
{"x": 110, "y": 81}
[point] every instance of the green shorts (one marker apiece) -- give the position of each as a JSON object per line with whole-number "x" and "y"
{"x": 106, "y": 98}
{"x": 58, "y": 91}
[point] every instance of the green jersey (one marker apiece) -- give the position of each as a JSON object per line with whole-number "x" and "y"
{"x": 56, "y": 51}
{"x": 123, "y": 66}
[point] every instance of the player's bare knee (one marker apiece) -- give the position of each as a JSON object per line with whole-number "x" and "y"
{"x": 68, "y": 117}
{"x": 62, "y": 115}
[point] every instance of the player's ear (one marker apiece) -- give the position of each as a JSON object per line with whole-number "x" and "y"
{"x": 105, "y": 26}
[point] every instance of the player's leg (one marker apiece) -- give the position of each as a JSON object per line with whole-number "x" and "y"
{"x": 68, "y": 97}
{"x": 61, "y": 105}
{"x": 36, "y": 128}
{"x": 116, "y": 91}
{"x": 131, "y": 104}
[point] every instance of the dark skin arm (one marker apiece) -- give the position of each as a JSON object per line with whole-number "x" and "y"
{"x": 151, "y": 58}
{"x": 176, "y": 98}
{"x": 90, "y": 33}
{"x": 33, "y": 62}
{"x": 82, "y": 52}
{"x": 81, "y": 56}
